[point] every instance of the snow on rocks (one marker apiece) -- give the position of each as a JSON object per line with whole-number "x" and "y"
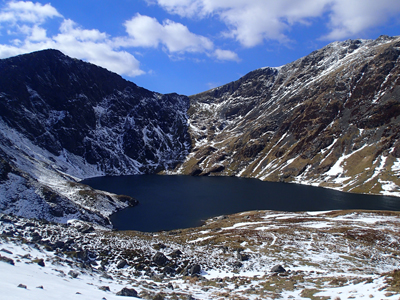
{"x": 268, "y": 255}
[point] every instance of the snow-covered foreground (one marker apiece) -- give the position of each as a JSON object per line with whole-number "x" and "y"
{"x": 49, "y": 282}
{"x": 324, "y": 255}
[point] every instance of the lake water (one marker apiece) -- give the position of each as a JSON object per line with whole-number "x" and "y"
{"x": 172, "y": 202}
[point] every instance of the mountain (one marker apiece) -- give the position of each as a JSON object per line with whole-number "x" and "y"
{"x": 63, "y": 119}
{"x": 329, "y": 119}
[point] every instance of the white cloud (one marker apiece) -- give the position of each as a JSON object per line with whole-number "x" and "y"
{"x": 25, "y": 23}
{"x": 226, "y": 55}
{"x": 27, "y": 11}
{"x": 252, "y": 22}
{"x": 26, "y": 20}
{"x": 145, "y": 31}
{"x": 95, "y": 47}
{"x": 351, "y": 17}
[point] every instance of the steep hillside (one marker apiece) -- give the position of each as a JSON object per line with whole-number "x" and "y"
{"x": 328, "y": 119}
{"x": 62, "y": 120}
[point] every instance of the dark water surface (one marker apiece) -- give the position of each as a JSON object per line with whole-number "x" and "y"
{"x": 172, "y": 202}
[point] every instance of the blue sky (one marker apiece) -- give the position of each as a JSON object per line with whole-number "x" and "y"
{"x": 189, "y": 46}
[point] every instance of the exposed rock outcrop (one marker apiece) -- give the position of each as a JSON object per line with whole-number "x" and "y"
{"x": 331, "y": 119}
{"x": 62, "y": 120}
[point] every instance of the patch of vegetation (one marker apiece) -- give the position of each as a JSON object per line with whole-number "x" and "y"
{"x": 309, "y": 294}
{"x": 393, "y": 281}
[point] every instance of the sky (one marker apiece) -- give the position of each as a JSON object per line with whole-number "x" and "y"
{"x": 189, "y": 46}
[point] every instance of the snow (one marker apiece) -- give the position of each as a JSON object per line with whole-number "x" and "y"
{"x": 358, "y": 291}
{"x": 53, "y": 279}
{"x": 310, "y": 245}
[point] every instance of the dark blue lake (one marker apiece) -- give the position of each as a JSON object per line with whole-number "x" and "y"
{"x": 172, "y": 202}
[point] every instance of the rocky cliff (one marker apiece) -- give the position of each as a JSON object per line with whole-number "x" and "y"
{"x": 328, "y": 119}
{"x": 62, "y": 120}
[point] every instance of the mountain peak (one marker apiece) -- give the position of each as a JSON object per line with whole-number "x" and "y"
{"x": 329, "y": 119}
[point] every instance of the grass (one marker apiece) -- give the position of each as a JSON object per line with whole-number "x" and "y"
{"x": 393, "y": 281}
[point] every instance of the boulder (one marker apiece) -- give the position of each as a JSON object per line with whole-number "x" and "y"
{"x": 168, "y": 270}
{"x": 7, "y": 260}
{"x": 159, "y": 246}
{"x": 160, "y": 259}
{"x": 73, "y": 274}
{"x": 241, "y": 256}
{"x": 176, "y": 253}
{"x": 195, "y": 270}
{"x": 122, "y": 263}
{"x": 59, "y": 245}
{"x": 127, "y": 292}
{"x": 278, "y": 269}
{"x": 40, "y": 262}
{"x": 237, "y": 264}
{"x": 36, "y": 237}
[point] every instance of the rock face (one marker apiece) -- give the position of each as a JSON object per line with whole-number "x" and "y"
{"x": 331, "y": 119}
{"x": 62, "y": 120}
{"x": 66, "y": 105}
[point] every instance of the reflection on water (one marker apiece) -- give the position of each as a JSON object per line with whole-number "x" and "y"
{"x": 171, "y": 202}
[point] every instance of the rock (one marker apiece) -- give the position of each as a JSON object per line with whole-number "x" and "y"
{"x": 160, "y": 259}
{"x": 36, "y": 237}
{"x": 122, "y": 263}
{"x": 104, "y": 288}
{"x": 40, "y": 262}
{"x": 7, "y": 260}
{"x": 127, "y": 292}
{"x": 6, "y": 251}
{"x": 73, "y": 274}
{"x": 241, "y": 256}
{"x": 106, "y": 276}
{"x": 237, "y": 264}
{"x": 159, "y": 246}
{"x": 22, "y": 286}
{"x": 9, "y": 232}
{"x": 168, "y": 270}
{"x": 86, "y": 229}
{"x": 158, "y": 297}
{"x": 278, "y": 269}
{"x": 59, "y": 245}
{"x": 176, "y": 253}
{"x": 195, "y": 270}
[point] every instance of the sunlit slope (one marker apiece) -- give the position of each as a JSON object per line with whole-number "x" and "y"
{"x": 328, "y": 119}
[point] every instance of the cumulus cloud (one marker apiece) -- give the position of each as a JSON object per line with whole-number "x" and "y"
{"x": 252, "y": 22}
{"x": 25, "y": 23}
{"x": 26, "y": 20}
{"x": 226, "y": 55}
{"x": 27, "y": 11}
{"x": 351, "y": 17}
{"x": 145, "y": 31}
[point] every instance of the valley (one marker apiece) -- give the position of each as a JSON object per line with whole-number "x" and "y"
{"x": 330, "y": 119}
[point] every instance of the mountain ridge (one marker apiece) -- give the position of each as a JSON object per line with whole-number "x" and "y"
{"x": 277, "y": 124}
{"x": 328, "y": 119}
{"x": 63, "y": 120}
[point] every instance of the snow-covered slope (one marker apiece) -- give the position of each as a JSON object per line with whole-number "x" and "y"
{"x": 329, "y": 119}
{"x": 62, "y": 120}
{"x": 325, "y": 255}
